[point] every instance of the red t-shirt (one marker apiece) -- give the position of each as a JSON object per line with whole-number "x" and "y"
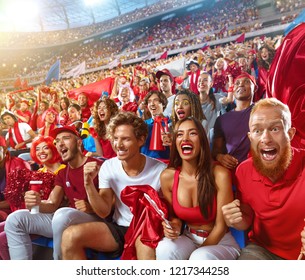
{"x": 86, "y": 114}
{"x": 279, "y": 210}
{"x": 108, "y": 152}
{"x": 72, "y": 182}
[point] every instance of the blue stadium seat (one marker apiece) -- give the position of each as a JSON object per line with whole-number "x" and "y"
{"x": 91, "y": 254}
{"x": 43, "y": 241}
{"x": 240, "y": 237}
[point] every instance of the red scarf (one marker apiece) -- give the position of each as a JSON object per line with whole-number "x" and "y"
{"x": 193, "y": 85}
{"x": 17, "y": 135}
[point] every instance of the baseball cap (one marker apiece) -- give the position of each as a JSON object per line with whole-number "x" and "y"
{"x": 66, "y": 128}
{"x": 7, "y": 112}
{"x": 164, "y": 72}
{"x": 246, "y": 75}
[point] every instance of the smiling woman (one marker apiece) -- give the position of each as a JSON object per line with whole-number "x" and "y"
{"x": 195, "y": 190}
{"x": 45, "y": 154}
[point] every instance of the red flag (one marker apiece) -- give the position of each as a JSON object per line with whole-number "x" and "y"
{"x": 286, "y": 79}
{"x": 94, "y": 91}
{"x": 205, "y": 47}
{"x": 17, "y": 83}
{"x": 163, "y": 56}
{"x": 222, "y": 30}
{"x": 25, "y": 84}
{"x": 241, "y": 38}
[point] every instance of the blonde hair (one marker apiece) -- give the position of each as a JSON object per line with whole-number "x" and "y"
{"x": 273, "y": 103}
{"x": 225, "y": 64}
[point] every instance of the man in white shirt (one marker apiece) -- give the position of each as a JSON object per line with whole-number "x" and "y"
{"x": 130, "y": 168}
{"x": 19, "y": 136}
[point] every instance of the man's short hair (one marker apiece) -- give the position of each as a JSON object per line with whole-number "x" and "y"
{"x": 273, "y": 103}
{"x": 161, "y": 96}
{"x": 127, "y": 118}
{"x": 76, "y": 106}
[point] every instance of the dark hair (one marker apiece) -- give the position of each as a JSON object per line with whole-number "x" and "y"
{"x": 112, "y": 107}
{"x": 196, "y": 109}
{"x": 206, "y": 187}
{"x": 67, "y": 102}
{"x": 161, "y": 96}
{"x": 260, "y": 61}
{"x": 76, "y": 106}
{"x": 211, "y": 94}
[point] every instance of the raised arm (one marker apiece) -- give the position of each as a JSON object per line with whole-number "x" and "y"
{"x": 102, "y": 201}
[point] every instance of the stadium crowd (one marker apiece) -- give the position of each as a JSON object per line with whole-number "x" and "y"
{"x": 199, "y": 132}
{"x": 184, "y": 31}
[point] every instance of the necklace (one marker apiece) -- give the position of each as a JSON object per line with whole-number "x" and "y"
{"x": 136, "y": 172}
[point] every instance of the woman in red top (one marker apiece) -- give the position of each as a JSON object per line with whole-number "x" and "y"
{"x": 45, "y": 154}
{"x": 63, "y": 114}
{"x": 265, "y": 57}
{"x": 104, "y": 109}
{"x": 195, "y": 190}
{"x": 50, "y": 118}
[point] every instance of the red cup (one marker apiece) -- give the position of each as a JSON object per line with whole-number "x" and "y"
{"x": 35, "y": 185}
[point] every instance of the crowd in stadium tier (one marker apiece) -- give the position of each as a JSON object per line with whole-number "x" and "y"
{"x": 287, "y": 5}
{"x": 175, "y": 33}
{"x": 237, "y": 12}
{"x": 64, "y": 36}
{"x": 88, "y": 55}
{"x": 247, "y": 56}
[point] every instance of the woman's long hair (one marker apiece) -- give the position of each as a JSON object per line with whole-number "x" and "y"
{"x": 196, "y": 109}
{"x": 263, "y": 63}
{"x": 100, "y": 126}
{"x": 206, "y": 186}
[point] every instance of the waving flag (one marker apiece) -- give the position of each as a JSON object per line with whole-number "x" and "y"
{"x": 205, "y": 47}
{"x": 53, "y": 73}
{"x": 162, "y": 56}
{"x": 77, "y": 71}
{"x": 17, "y": 83}
{"x": 241, "y": 38}
{"x": 94, "y": 91}
{"x": 176, "y": 67}
{"x": 114, "y": 63}
{"x": 295, "y": 22}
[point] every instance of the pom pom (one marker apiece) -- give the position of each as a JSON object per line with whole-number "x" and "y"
{"x": 18, "y": 184}
{"x": 130, "y": 107}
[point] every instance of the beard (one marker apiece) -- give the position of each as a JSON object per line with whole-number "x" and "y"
{"x": 70, "y": 154}
{"x": 276, "y": 169}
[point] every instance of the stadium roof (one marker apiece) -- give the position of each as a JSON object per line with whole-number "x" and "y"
{"x": 46, "y": 15}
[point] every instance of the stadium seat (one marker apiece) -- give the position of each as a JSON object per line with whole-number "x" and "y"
{"x": 240, "y": 237}
{"x": 91, "y": 254}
